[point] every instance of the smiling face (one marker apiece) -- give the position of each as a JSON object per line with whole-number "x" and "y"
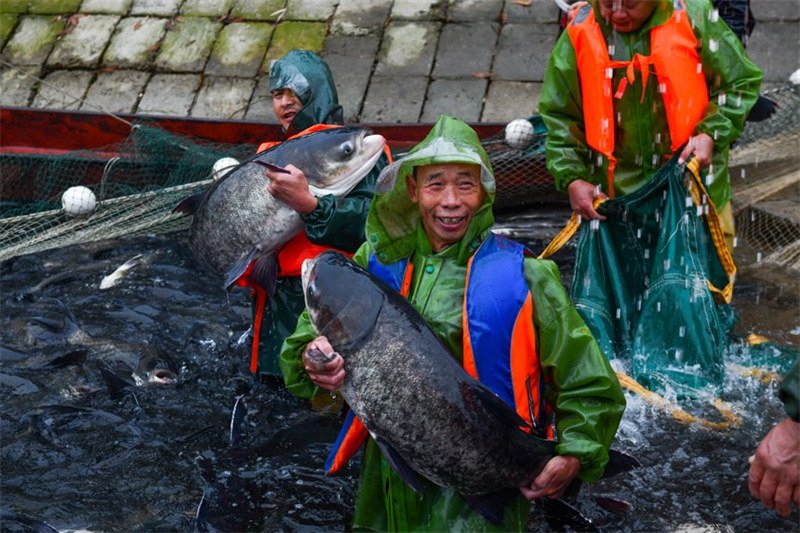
{"x": 626, "y": 15}
{"x": 286, "y": 105}
{"x": 448, "y": 195}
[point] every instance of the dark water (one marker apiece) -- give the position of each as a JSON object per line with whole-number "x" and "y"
{"x": 90, "y": 441}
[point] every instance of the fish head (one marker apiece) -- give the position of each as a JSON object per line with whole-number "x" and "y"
{"x": 337, "y": 159}
{"x": 342, "y": 299}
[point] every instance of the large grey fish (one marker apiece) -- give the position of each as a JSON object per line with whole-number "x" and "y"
{"x": 427, "y": 415}
{"x": 237, "y": 220}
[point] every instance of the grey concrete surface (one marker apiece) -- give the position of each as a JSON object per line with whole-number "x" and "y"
{"x": 393, "y": 60}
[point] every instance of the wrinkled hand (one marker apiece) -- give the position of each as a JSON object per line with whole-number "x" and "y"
{"x": 326, "y": 375}
{"x": 701, "y": 147}
{"x": 553, "y": 479}
{"x": 775, "y": 468}
{"x": 581, "y": 198}
{"x": 292, "y": 189}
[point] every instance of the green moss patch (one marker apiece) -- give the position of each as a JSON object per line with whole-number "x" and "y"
{"x": 258, "y": 9}
{"x": 52, "y": 7}
{"x": 300, "y": 35}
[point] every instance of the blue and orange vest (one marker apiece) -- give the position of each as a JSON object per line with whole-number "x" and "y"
{"x": 499, "y": 340}
{"x": 678, "y": 69}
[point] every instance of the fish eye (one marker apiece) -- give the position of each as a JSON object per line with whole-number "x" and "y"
{"x": 347, "y": 148}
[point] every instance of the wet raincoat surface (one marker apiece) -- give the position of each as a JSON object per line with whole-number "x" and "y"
{"x": 642, "y": 140}
{"x": 581, "y": 387}
{"x": 335, "y": 223}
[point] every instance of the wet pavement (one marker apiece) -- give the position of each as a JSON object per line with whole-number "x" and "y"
{"x": 393, "y": 60}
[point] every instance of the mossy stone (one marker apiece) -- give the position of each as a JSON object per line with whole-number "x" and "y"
{"x": 33, "y": 39}
{"x": 13, "y": 6}
{"x": 53, "y": 7}
{"x": 7, "y": 23}
{"x": 291, "y": 35}
{"x": 258, "y": 9}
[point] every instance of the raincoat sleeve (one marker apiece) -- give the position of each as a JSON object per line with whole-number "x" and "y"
{"x": 789, "y": 392}
{"x": 581, "y": 387}
{"x": 733, "y": 80}
{"x": 561, "y": 109}
{"x": 339, "y": 222}
{"x": 291, "y": 356}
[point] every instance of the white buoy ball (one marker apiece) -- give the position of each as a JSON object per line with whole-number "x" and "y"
{"x": 78, "y": 200}
{"x": 519, "y": 134}
{"x": 795, "y": 77}
{"x": 223, "y": 166}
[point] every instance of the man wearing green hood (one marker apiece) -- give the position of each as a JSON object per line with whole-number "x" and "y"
{"x": 304, "y": 100}
{"x": 429, "y": 229}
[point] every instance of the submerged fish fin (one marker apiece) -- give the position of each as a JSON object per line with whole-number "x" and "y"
{"x": 189, "y": 205}
{"x": 114, "y": 383}
{"x": 400, "y": 466}
{"x": 618, "y": 507}
{"x": 237, "y": 418}
{"x": 560, "y": 513}
{"x": 491, "y": 506}
{"x": 619, "y": 462}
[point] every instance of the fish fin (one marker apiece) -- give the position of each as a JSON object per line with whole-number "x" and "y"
{"x": 562, "y": 513}
{"x": 114, "y": 383}
{"x": 618, "y": 507}
{"x": 271, "y": 166}
{"x": 265, "y": 273}
{"x": 236, "y": 271}
{"x": 619, "y": 462}
{"x": 400, "y": 466}
{"x": 491, "y": 506}
{"x": 189, "y": 205}
{"x": 237, "y": 418}
{"x": 493, "y": 404}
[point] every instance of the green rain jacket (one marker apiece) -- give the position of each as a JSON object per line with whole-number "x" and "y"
{"x": 642, "y": 141}
{"x": 583, "y": 390}
{"x": 336, "y": 223}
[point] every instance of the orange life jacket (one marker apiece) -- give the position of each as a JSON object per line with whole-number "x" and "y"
{"x": 678, "y": 69}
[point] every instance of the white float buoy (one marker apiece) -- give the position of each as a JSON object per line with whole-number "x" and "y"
{"x": 223, "y": 166}
{"x": 78, "y": 200}
{"x": 519, "y": 133}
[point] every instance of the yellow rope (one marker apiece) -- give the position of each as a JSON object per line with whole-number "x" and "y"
{"x": 655, "y": 399}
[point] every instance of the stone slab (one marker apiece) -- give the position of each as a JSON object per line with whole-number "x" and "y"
{"x": 523, "y": 51}
{"x": 239, "y": 50}
{"x": 474, "y": 10}
{"x": 258, "y": 9}
{"x": 106, "y": 7}
{"x": 465, "y": 49}
{"x": 17, "y": 85}
{"x": 8, "y": 22}
{"x": 394, "y": 99}
{"x": 350, "y": 59}
{"x": 33, "y": 40}
{"x": 134, "y": 42}
{"x": 206, "y": 8}
{"x": 293, "y": 34}
{"x": 318, "y": 10}
{"x": 159, "y": 8}
{"x": 543, "y": 11}
{"x": 84, "y": 44}
{"x": 52, "y": 7}
{"x": 418, "y": 10}
{"x": 775, "y": 48}
{"x": 408, "y": 49}
{"x": 462, "y": 98}
{"x": 509, "y": 100}
{"x": 187, "y": 45}
{"x": 224, "y": 98}
{"x": 14, "y": 6}
{"x": 116, "y": 91}
{"x": 775, "y": 10}
{"x": 260, "y": 107}
{"x": 360, "y": 17}
{"x": 169, "y": 94}
{"x": 63, "y": 89}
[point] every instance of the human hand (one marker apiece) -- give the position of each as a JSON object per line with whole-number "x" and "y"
{"x": 775, "y": 468}
{"x": 553, "y": 479}
{"x": 324, "y": 366}
{"x": 291, "y": 188}
{"x": 701, "y": 146}
{"x": 581, "y": 198}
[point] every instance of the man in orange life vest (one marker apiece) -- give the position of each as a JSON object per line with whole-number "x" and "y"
{"x": 630, "y": 83}
{"x": 304, "y": 100}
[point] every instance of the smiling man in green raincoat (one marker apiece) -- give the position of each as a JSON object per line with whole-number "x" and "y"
{"x": 433, "y": 222}
{"x": 304, "y": 100}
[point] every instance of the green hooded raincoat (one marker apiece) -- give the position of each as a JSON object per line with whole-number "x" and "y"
{"x": 583, "y": 389}
{"x": 642, "y": 141}
{"x": 336, "y": 223}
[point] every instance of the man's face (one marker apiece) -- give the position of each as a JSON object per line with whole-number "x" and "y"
{"x": 626, "y": 15}
{"x": 286, "y": 105}
{"x": 447, "y": 194}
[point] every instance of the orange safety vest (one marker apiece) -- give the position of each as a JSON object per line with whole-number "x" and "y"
{"x": 673, "y": 54}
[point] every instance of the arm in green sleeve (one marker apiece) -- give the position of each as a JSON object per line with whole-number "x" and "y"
{"x": 582, "y": 388}
{"x": 733, "y": 80}
{"x": 339, "y": 222}
{"x": 561, "y": 109}
{"x": 789, "y": 392}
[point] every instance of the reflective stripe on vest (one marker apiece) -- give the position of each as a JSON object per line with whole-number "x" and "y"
{"x": 678, "y": 69}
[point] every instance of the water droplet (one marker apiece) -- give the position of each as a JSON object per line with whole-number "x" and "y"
{"x": 658, "y": 307}
{"x": 682, "y": 331}
{"x": 678, "y": 355}
{"x": 758, "y": 257}
{"x": 639, "y": 233}
{"x": 742, "y": 173}
{"x": 721, "y": 99}
{"x": 611, "y": 49}
{"x": 713, "y": 45}
{"x": 666, "y": 264}
{"x": 689, "y": 201}
{"x": 647, "y": 253}
{"x": 594, "y": 225}
{"x": 619, "y": 312}
{"x": 713, "y": 15}
{"x": 735, "y": 242}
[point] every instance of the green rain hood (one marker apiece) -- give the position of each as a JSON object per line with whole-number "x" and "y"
{"x": 305, "y": 73}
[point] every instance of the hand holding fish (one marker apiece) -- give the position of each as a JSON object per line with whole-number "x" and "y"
{"x": 325, "y": 367}
{"x": 553, "y": 479}
{"x": 291, "y": 188}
